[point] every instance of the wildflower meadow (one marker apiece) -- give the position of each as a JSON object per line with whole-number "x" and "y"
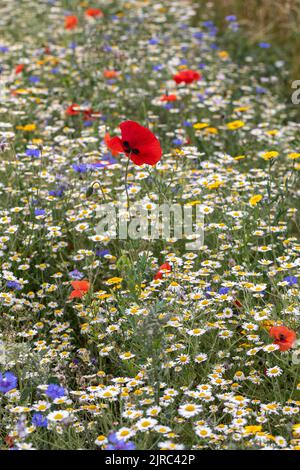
{"x": 149, "y": 231}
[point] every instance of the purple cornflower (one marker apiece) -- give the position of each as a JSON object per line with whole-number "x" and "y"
{"x": 118, "y": 444}
{"x": 8, "y": 381}
{"x": 55, "y": 391}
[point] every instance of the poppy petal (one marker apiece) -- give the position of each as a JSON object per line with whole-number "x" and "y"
{"x": 81, "y": 285}
{"x": 76, "y": 294}
{"x": 114, "y": 144}
{"x": 136, "y": 134}
{"x": 148, "y": 154}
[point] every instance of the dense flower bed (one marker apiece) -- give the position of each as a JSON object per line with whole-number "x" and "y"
{"x": 136, "y": 343}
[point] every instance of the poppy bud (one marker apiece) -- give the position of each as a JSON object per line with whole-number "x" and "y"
{"x": 89, "y": 191}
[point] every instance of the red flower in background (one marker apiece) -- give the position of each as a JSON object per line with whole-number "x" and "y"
{"x": 164, "y": 268}
{"x": 93, "y": 12}
{"x": 80, "y": 289}
{"x": 187, "y": 76}
{"x": 168, "y": 98}
{"x": 71, "y": 22}
{"x": 284, "y": 337}
{"x": 110, "y": 73}
{"x": 73, "y": 110}
{"x": 88, "y": 114}
{"x": 19, "y": 68}
{"x": 137, "y": 142}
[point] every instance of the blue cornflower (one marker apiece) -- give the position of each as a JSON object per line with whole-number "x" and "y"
{"x": 77, "y": 275}
{"x": 13, "y": 285}
{"x": 208, "y": 292}
{"x": 118, "y": 444}
{"x": 264, "y": 45}
{"x": 224, "y": 290}
{"x": 39, "y": 212}
{"x": 56, "y": 192}
{"x": 33, "y": 152}
{"x": 55, "y": 391}
{"x": 198, "y": 35}
{"x": 230, "y": 18}
{"x": 260, "y": 90}
{"x": 291, "y": 280}
{"x": 102, "y": 253}
{"x": 39, "y": 420}
{"x": 80, "y": 167}
{"x": 208, "y": 24}
{"x": 8, "y": 381}
{"x": 107, "y": 48}
{"x": 177, "y": 141}
{"x": 34, "y": 79}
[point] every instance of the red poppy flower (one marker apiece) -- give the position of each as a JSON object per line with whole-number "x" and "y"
{"x": 73, "y": 110}
{"x": 89, "y": 114}
{"x": 80, "y": 288}
{"x": 284, "y": 337}
{"x": 107, "y": 140}
{"x": 71, "y": 22}
{"x": 19, "y": 68}
{"x": 164, "y": 268}
{"x": 137, "y": 142}
{"x": 94, "y": 12}
{"x": 110, "y": 73}
{"x": 168, "y": 98}
{"x": 187, "y": 76}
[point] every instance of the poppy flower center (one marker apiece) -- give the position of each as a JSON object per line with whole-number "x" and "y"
{"x": 128, "y": 149}
{"x": 282, "y": 337}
